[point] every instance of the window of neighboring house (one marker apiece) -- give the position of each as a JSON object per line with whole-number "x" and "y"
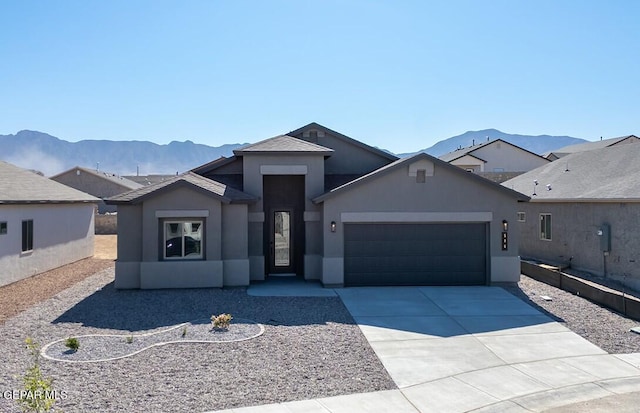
{"x": 183, "y": 239}
{"x": 498, "y": 169}
{"x": 522, "y": 217}
{"x": 3, "y": 228}
{"x": 545, "y": 227}
{"x": 470, "y": 170}
{"x": 27, "y": 235}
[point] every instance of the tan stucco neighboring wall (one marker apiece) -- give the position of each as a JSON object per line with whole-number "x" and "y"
{"x": 508, "y": 158}
{"x": 447, "y": 196}
{"x": 62, "y": 233}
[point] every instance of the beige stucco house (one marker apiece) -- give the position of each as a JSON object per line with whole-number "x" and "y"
{"x": 43, "y": 224}
{"x": 97, "y": 183}
{"x": 316, "y": 204}
{"x": 497, "y": 160}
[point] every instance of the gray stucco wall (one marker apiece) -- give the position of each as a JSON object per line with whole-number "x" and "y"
{"x": 574, "y": 234}
{"x": 314, "y": 186}
{"x": 62, "y": 234}
{"x": 447, "y": 192}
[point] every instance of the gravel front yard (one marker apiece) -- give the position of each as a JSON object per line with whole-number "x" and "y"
{"x": 310, "y": 348}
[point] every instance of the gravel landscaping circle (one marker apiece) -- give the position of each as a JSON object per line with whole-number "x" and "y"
{"x": 108, "y": 347}
{"x": 310, "y": 348}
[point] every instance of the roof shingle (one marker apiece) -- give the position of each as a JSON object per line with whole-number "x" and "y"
{"x": 20, "y": 186}
{"x": 219, "y": 190}
{"x": 284, "y": 144}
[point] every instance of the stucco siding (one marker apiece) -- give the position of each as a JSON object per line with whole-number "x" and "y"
{"x": 575, "y": 240}
{"x": 62, "y": 234}
{"x": 94, "y": 185}
{"x": 504, "y": 157}
{"x": 446, "y": 194}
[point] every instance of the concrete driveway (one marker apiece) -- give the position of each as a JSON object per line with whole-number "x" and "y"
{"x": 462, "y": 349}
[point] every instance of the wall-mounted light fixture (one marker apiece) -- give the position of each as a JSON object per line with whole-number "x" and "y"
{"x": 505, "y": 225}
{"x": 333, "y": 226}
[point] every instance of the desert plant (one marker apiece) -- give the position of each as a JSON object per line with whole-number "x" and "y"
{"x": 184, "y": 331}
{"x": 37, "y": 394}
{"x": 129, "y": 339}
{"x": 221, "y": 321}
{"x": 72, "y": 343}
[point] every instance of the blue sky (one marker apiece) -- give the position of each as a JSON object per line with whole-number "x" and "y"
{"x": 400, "y": 75}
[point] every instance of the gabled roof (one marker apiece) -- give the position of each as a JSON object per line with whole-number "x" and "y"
{"x": 207, "y": 186}
{"x": 283, "y": 144}
{"x": 588, "y": 146}
{"x": 602, "y": 175}
{"x": 452, "y": 156}
{"x": 345, "y": 138}
{"x": 113, "y": 178}
{"x": 20, "y": 186}
{"x": 407, "y": 161}
{"x": 209, "y": 166}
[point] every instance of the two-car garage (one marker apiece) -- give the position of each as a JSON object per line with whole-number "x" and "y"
{"x": 415, "y": 254}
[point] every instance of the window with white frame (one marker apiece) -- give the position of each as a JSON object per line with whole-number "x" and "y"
{"x": 522, "y": 217}
{"x": 545, "y": 227}
{"x": 183, "y": 239}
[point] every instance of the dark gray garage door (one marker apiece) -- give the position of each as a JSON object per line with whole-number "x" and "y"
{"x": 415, "y": 254}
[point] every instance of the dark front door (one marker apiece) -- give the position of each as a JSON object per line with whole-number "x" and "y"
{"x": 283, "y": 197}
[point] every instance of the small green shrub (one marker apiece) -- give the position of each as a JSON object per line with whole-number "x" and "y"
{"x": 129, "y": 339}
{"x": 72, "y": 343}
{"x": 221, "y": 321}
{"x": 37, "y": 394}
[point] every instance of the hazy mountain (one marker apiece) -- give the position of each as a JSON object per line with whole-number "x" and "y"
{"x": 50, "y": 155}
{"x": 536, "y": 144}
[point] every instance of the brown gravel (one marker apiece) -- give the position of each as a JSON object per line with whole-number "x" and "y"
{"x": 20, "y": 295}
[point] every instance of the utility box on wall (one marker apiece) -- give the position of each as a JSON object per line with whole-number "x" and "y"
{"x": 605, "y": 237}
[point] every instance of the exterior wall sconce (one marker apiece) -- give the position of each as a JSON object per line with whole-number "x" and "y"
{"x": 505, "y": 225}
{"x": 333, "y": 226}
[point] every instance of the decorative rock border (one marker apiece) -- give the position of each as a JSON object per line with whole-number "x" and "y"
{"x": 107, "y": 347}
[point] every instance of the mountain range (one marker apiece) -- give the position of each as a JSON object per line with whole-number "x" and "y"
{"x": 50, "y": 155}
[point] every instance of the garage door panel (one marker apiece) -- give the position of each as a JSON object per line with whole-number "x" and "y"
{"x": 415, "y": 254}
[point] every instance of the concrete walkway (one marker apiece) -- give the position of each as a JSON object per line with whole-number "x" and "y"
{"x": 472, "y": 349}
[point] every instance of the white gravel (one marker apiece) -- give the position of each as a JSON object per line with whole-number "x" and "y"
{"x": 310, "y": 348}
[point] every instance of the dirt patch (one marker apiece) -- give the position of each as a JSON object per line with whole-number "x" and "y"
{"x": 106, "y": 247}
{"x": 20, "y": 295}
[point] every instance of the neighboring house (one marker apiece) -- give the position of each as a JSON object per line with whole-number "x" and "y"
{"x": 589, "y": 146}
{"x": 43, "y": 224}
{"x": 99, "y": 184}
{"x": 497, "y": 160}
{"x": 321, "y": 206}
{"x": 585, "y": 211}
{"x": 148, "y": 179}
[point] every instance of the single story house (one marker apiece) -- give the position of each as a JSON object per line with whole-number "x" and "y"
{"x": 319, "y": 205}
{"x": 43, "y": 224}
{"x": 496, "y": 159}
{"x": 584, "y": 212}
{"x": 97, "y": 183}
{"x": 589, "y": 146}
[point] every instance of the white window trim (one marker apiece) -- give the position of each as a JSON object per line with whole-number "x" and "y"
{"x": 199, "y": 220}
